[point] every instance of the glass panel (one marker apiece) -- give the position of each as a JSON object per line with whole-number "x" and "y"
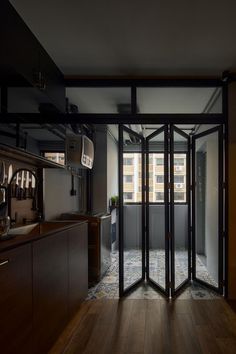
{"x": 157, "y": 252}
{"x": 180, "y": 209}
{"x": 206, "y": 206}
{"x": 132, "y": 228}
{"x": 58, "y": 157}
{"x": 99, "y": 99}
{"x": 179, "y": 100}
{"x": 28, "y": 100}
{"x": 35, "y": 138}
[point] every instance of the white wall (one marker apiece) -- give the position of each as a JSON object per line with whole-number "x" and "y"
{"x": 212, "y": 194}
{"x": 99, "y": 171}
{"x": 57, "y": 198}
{"x": 112, "y": 167}
{"x": 209, "y": 144}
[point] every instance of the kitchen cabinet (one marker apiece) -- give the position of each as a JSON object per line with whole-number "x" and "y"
{"x": 78, "y": 266}
{"x": 42, "y": 284}
{"x": 23, "y": 57}
{"x": 16, "y": 301}
{"x": 50, "y": 289}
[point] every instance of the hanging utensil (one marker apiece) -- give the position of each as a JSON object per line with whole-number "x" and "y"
{"x": 10, "y": 172}
{"x": 33, "y": 192}
{"x": 26, "y": 185}
{"x": 9, "y": 177}
{"x": 17, "y": 186}
{"x": 2, "y": 172}
{"x": 21, "y": 193}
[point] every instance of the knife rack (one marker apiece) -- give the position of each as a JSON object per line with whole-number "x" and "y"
{"x": 23, "y": 195}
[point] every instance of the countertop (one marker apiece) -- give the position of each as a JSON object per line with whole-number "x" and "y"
{"x": 40, "y": 231}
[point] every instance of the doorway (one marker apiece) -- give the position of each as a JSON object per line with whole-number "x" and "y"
{"x": 171, "y": 195}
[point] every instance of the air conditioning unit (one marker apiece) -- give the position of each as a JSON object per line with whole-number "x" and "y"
{"x": 179, "y": 185}
{"x": 178, "y": 168}
{"x": 79, "y": 151}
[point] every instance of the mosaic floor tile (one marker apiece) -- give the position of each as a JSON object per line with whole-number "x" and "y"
{"x": 108, "y": 287}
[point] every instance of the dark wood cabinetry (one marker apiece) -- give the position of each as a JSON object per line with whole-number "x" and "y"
{"x": 50, "y": 289}
{"x": 41, "y": 286}
{"x": 16, "y": 301}
{"x": 78, "y": 266}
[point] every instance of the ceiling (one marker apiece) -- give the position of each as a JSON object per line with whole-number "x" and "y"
{"x": 135, "y": 37}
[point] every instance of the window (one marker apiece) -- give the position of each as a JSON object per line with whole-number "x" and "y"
{"x": 160, "y": 196}
{"x": 58, "y": 157}
{"x": 133, "y": 177}
{"x": 179, "y": 197}
{"x": 179, "y": 178}
{"x": 179, "y": 161}
{"x": 159, "y": 161}
{"x": 128, "y": 161}
{"x": 128, "y": 196}
{"x": 160, "y": 179}
{"x": 128, "y": 178}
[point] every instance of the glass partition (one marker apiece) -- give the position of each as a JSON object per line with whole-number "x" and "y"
{"x": 208, "y": 187}
{"x": 180, "y": 207}
{"x": 99, "y": 99}
{"x": 176, "y": 100}
{"x": 157, "y": 209}
{"x": 131, "y": 209}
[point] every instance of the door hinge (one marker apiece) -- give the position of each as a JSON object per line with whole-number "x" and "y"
{"x": 191, "y": 229}
{"x": 222, "y": 283}
{"x": 169, "y": 235}
{"x": 224, "y": 234}
{"x": 170, "y": 284}
{"x": 224, "y": 185}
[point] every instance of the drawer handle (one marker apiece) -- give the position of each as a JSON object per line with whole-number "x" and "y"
{"x": 2, "y": 263}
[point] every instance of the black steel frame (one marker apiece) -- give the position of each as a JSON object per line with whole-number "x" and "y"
{"x": 169, "y": 205}
{"x": 165, "y": 290}
{"x": 219, "y": 130}
{"x": 122, "y": 289}
{"x": 134, "y": 117}
{"x": 175, "y": 291}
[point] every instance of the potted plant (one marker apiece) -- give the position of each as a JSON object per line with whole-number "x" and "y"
{"x": 114, "y": 201}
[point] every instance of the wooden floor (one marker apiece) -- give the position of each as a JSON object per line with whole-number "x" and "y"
{"x": 150, "y": 326}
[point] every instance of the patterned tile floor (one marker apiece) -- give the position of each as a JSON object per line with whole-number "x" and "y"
{"x": 108, "y": 287}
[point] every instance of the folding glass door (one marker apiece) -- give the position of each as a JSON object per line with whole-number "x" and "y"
{"x": 208, "y": 201}
{"x": 157, "y": 210}
{"x": 171, "y": 228}
{"x": 168, "y": 233}
{"x": 131, "y": 209}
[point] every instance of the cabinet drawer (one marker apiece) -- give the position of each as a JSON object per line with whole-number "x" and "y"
{"x": 16, "y": 301}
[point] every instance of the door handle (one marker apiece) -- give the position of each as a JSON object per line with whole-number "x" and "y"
{"x": 4, "y": 262}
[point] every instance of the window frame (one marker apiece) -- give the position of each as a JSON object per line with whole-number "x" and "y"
{"x": 159, "y": 203}
{"x": 43, "y": 152}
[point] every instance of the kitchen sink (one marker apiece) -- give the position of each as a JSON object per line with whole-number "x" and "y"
{"x": 39, "y": 228}
{"x": 22, "y": 230}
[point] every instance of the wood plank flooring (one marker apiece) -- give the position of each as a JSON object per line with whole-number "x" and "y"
{"x": 150, "y": 327}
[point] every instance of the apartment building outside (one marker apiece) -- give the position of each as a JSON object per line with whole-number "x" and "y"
{"x": 133, "y": 178}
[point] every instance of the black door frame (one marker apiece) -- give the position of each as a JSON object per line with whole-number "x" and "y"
{"x": 221, "y": 198}
{"x": 122, "y": 290}
{"x": 168, "y": 130}
{"x": 164, "y": 291}
{"x": 173, "y": 129}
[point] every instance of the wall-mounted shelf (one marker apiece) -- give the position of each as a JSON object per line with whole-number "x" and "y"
{"x": 19, "y": 155}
